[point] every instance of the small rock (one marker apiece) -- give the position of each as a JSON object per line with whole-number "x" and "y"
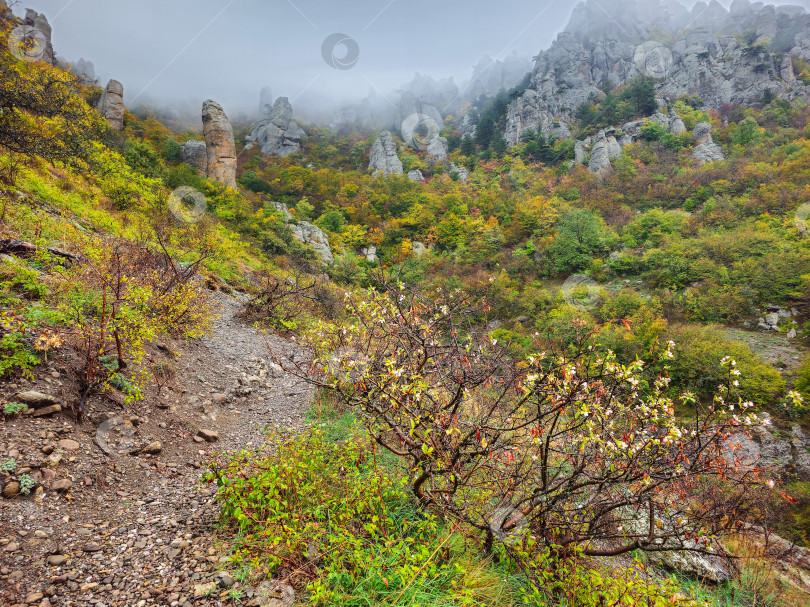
{"x": 209, "y": 436}
{"x": 153, "y": 448}
{"x": 57, "y": 559}
{"x": 34, "y": 598}
{"x": 63, "y": 485}
{"x": 40, "y": 534}
{"x": 69, "y": 445}
{"x": 272, "y": 593}
{"x": 47, "y": 411}
{"x": 11, "y": 490}
{"x": 201, "y": 590}
{"x": 226, "y": 581}
{"x": 91, "y": 547}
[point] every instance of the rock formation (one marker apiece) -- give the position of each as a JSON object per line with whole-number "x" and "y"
{"x": 265, "y": 100}
{"x": 416, "y": 176}
{"x": 707, "y": 150}
{"x": 707, "y": 57}
{"x": 614, "y": 150}
{"x": 437, "y": 150}
{"x": 765, "y": 449}
{"x": 491, "y": 76}
{"x": 313, "y": 236}
{"x": 612, "y": 145}
{"x": 676, "y": 125}
{"x": 111, "y": 104}
{"x": 418, "y": 120}
{"x": 468, "y": 126}
{"x": 42, "y": 32}
{"x": 194, "y": 154}
{"x": 600, "y": 155}
{"x": 220, "y": 147}
{"x": 383, "y": 157}
{"x": 84, "y": 70}
{"x": 277, "y": 132}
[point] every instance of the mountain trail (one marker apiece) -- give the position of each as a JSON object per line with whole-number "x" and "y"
{"x": 113, "y": 528}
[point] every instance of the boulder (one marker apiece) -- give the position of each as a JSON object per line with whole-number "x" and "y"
{"x": 702, "y": 133}
{"x": 196, "y": 155}
{"x": 383, "y": 156}
{"x": 706, "y": 150}
{"x": 462, "y": 172}
{"x": 676, "y": 125}
{"x": 370, "y": 253}
{"x": 220, "y": 146}
{"x": 313, "y": 236}
{"x": 419, "y": 248}
{"x": 277, "y": 133}
{"x": 111, "y": 104}
{"x": 416, "y": 176}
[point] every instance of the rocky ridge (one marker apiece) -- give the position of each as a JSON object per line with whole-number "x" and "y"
{"x": 708, "y": 57}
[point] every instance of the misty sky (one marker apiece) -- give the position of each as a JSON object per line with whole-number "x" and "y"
{"x": 190, "y": 50}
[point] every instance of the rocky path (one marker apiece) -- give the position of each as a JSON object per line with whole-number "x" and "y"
{"x": 108, "y": 527}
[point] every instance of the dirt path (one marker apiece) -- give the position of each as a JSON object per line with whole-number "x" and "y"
{"x": 136, "y": 530}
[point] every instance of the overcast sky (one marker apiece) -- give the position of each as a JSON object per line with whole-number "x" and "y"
{"x": 229, "y": 49}
{"x": 191, "y": 50}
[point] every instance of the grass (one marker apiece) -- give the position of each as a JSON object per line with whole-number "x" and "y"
{"x": 760, "y": 583}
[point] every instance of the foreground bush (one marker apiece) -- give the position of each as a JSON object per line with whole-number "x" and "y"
{"x": 575, "y": 455}
{"x": 335, "y": 519}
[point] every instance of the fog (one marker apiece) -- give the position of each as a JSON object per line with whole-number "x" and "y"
{"x": 183, "y": 51}
{"x": 179, "y": 50}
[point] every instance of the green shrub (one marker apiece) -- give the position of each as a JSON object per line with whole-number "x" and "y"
{"x": 697, "y": 366}
{"x": 14, "y": 408}
{"x": 337, "y": 503}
